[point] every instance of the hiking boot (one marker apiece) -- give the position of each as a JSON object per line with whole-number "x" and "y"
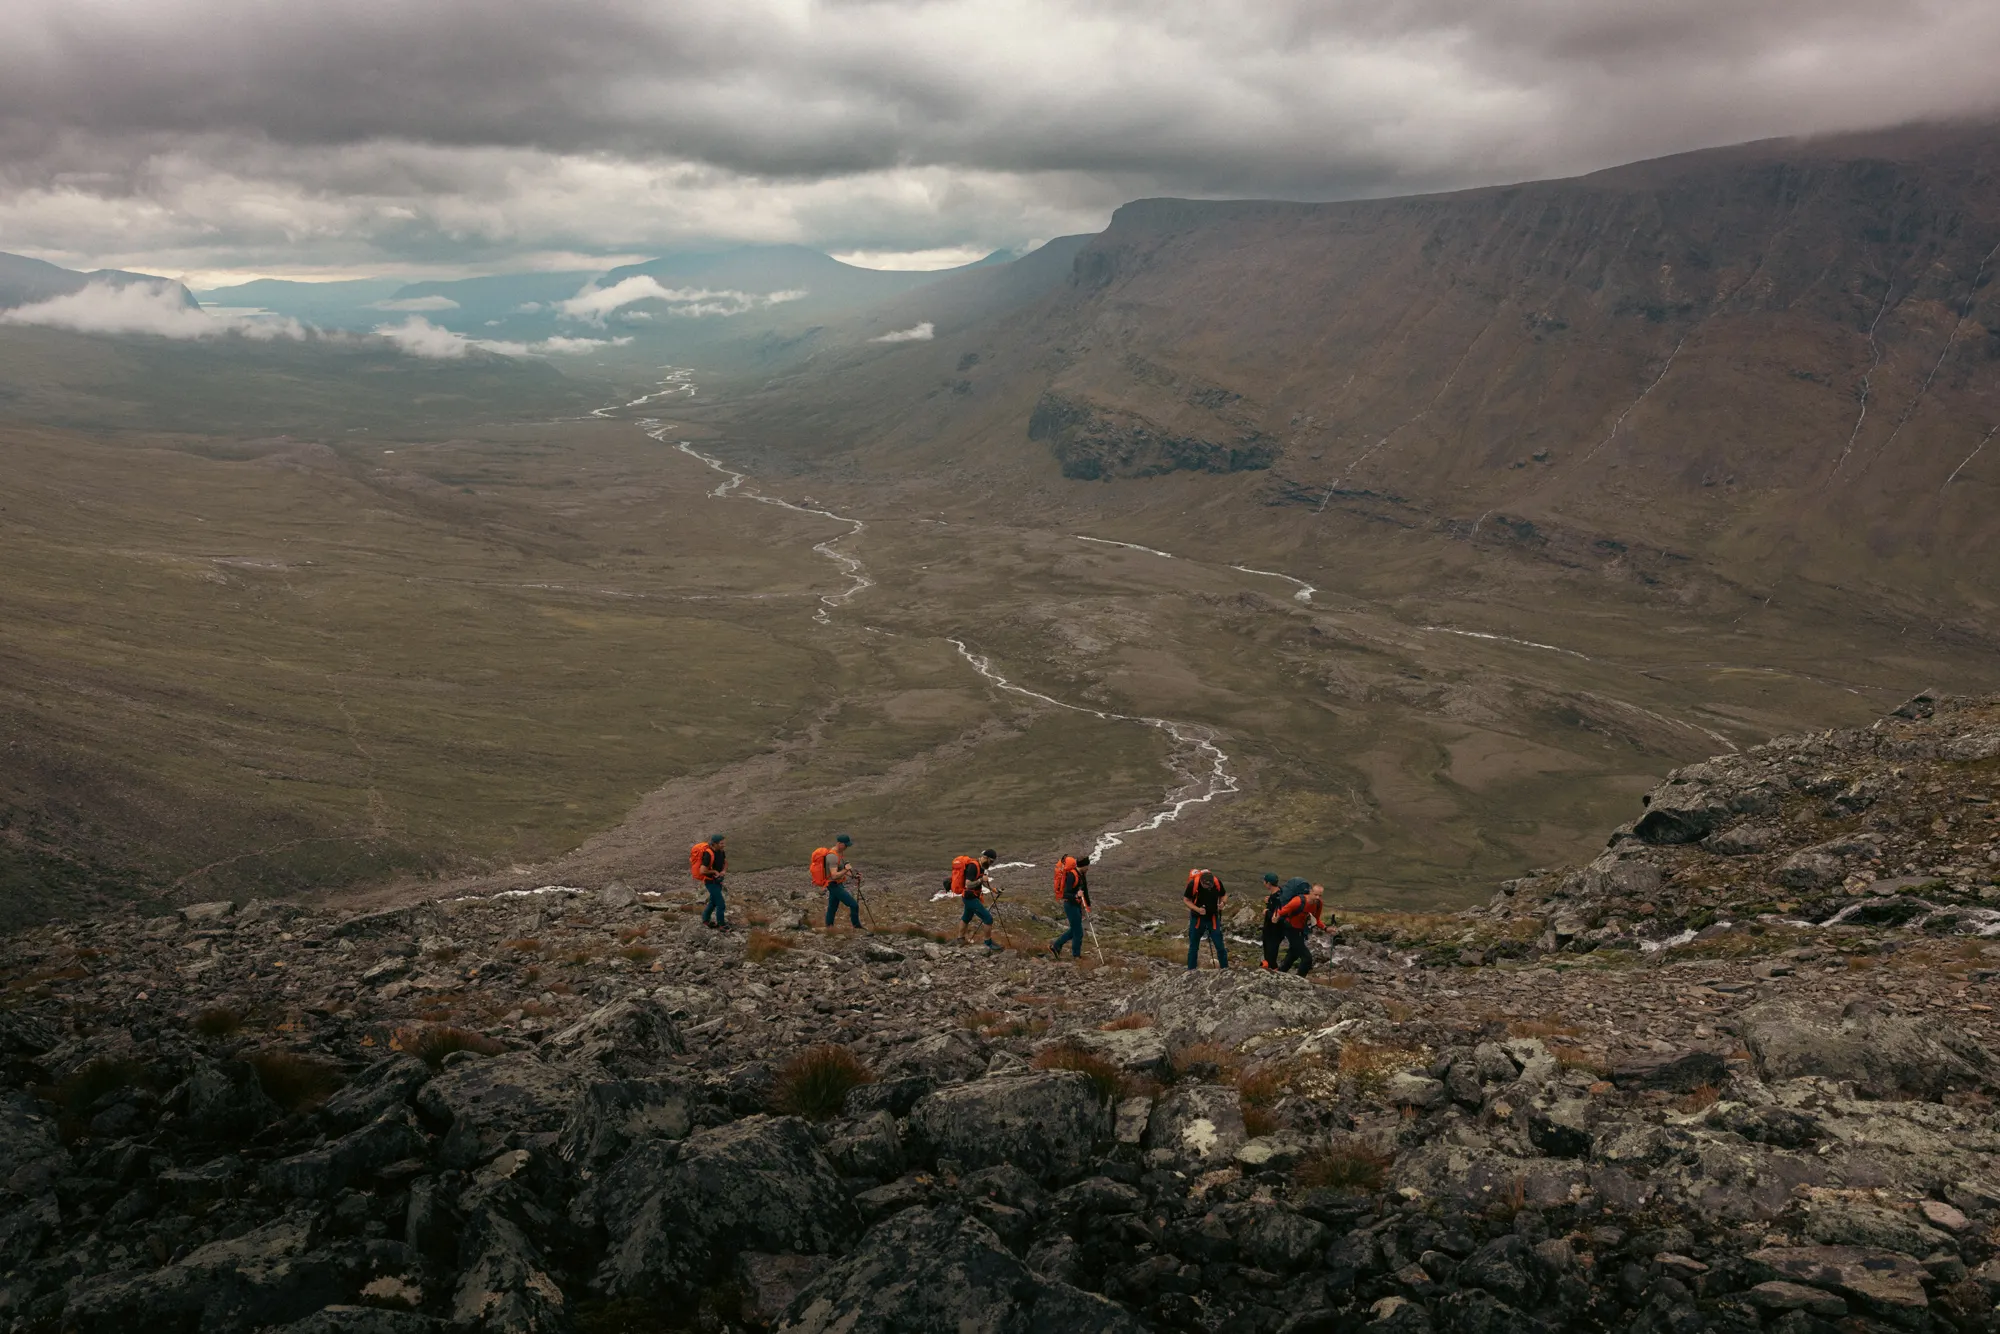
{"x": 991, "y": 946}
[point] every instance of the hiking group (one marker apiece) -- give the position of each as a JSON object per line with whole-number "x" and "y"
{"x": 1291, "y": 908}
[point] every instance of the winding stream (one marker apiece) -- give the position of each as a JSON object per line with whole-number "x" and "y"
{"x": 1200, "y": 765}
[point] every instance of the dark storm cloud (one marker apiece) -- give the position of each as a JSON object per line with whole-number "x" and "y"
{"x": 340, "y": 131}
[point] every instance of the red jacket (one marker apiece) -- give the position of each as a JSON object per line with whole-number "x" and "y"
{"x": 1298, "y": 912}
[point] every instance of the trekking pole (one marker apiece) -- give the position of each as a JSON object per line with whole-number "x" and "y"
{"x": 1090, "y": 919}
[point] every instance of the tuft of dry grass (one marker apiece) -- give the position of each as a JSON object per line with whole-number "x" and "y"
{"x": 579, "y": 957}
{"x": 1206, "y": 1061}
{"x": 1544, "y": 1028}
{"x": 1257, "y": 1096}
{"x": 1352, "y": 1165}
{"x": 76, "y": 1091}
{"x": 295, "y": 1082}
{"x": 639, "y": 953}
{"x": 628, "y": 934}
{"x": 815, "y": 1083}
{"x": 1017, "y": 1026}
{"x": 980, "y": 1019}
{"x": 762, "y": 945}
{"x": 1339, "y": 981}
{"x": 1104, "y": 1076}
{"x": 538, "y": 1010}
{"x": 431, "y": 1045}
{"x": 531, "y": 975}
{"x": 447, "y": 954}
{"x": 523, "y": 945}
{"x": 218, "y": 1021}
{"x": 1127, "y": 1021}
{"x": 1370, "y": 1064}
{"x": 1571, "y": 1057}
{"x": 1700, "y": 1098}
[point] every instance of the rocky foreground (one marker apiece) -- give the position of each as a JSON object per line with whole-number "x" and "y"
{"x": 1736, "y": 1074}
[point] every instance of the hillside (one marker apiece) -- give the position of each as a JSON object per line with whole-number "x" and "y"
{"x": 572, "y": 1108}
{"x": 26, "y": 282}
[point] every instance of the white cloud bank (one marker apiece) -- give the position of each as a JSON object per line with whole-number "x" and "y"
{"x": 916, "y": 333}
{"x": 418, "y": 337}
{"x": 155, "y": 308}
{"x": 416, "y": 303}
{"x": 594, "y": 303}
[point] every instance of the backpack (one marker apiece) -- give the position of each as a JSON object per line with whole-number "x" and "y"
{"x": 962, "y": 869}
{"x": 700, "y": 857}
{"x": 821, "y": 876}
{"x": 1206, "y": 900}
{"x": 1065, "y": 868}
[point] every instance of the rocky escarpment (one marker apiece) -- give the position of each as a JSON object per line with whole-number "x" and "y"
{"x": 1094, "y": 443}
{"x": 576, "y": 1109}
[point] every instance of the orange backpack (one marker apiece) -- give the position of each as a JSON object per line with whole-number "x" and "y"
{"x": 1065, "y": 866}
{"x": 821, "y": 877}
{"x": 961, "y": 868}
{"x": 700, "y": 858}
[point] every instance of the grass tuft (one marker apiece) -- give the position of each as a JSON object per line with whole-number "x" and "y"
{"x": 523, "y": 945}
{"x": 1105, "y": 1077}
{"x": 1128, "y": 1021}
{"x": 296, "y": 1083}
{"x": 1208, "y": 1061}
{"x": 1349, "y": 1165}
{"x": 75, "y": 1092}
{"x": 218, "y": 1021}
{"x": 815, "y": 1083}
{"x": 639, "y": 953}
{"x": 762, "y": 945}
{"x": 1700, "y": 1098}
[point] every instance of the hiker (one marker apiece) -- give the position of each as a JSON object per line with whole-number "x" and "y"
{"x": 1298, "y": 914}
{"x": 708, "y": 862}
{"x": 831, "y": 873}
{"x": 968, "y": 880}
{"x": 1073, "y": 892}
{"x": 1274, "y": 930}
{"x": 1204, "y": 897}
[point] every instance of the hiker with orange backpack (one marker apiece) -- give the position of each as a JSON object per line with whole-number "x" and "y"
{"x": 1073, "y": 892}
{"x": 1204, "y": 897}
{"x": 1298, "y": 914}
{"x": 831, "y": 873}
{"x": 708, "y": 863}
{"x": 968, "y": 881}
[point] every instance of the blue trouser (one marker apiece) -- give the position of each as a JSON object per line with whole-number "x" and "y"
{"x": 975, "y": 908}
{"x": 1212, "y": 927}
{"x": 714, "y": 901}
{"x": 837, "y": 895}
{"x": 1074, "y": 936}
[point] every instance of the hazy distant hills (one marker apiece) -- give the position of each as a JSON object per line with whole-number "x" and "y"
{"x": 27, "y": 282}
{"x": 1770, "y": 362}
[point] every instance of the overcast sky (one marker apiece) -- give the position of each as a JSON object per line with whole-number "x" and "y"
{"x": 352, "y": 137}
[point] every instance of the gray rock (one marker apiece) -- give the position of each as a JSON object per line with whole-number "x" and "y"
{"x": 504, "y": 1286}
{"x": 1883, "y": 1282}
{"x": 1139, "y": 1051}
{"x": 770, "y": 1282}
{"x": 1407, "y": 1088}
{"x": 1884, "y": 1054}
{"x": 1682, "y": 812}
{"x": 382, "y": 1087}
{"x": 1273, "y": 1236}
{"x": 617, "y": 894}
{"x": 1132, "y": 1115}
{"x": 32, "y": 1156}
{"x": 360, "y": 1320}
{"x": 1197, "y": 1127}
{"x": 1810, "y": 870}
{"x": 929, "y": 1269}
{"x": 677, "y": 1215}
{"x": 1680, "y": 1072}
{"x": 1841, "y": 1220}
{"x": 1045, "y": 1123}
{"x": 941, "y": 1058}
{"x": 1778, "y": 1295}
{"x": 868, "y": 1148}
{"x": 489, "y": 1105}
{"x": 630, "y": 1037}
{"x": 1230, "y": 1006}
{"x": 200, "y": 914}
{"x": 271, "y": 1275}
{"x": 319, "y": 1173}
{"x": 611, "y": 1115}
{"x": 876, "y": 952}
{"x": 1744, "y": 840}
{"x": 225, "y": 1101}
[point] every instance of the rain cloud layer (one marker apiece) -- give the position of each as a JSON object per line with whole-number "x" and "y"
{"x": 208, "y": 138}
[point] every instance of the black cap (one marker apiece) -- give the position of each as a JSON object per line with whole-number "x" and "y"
{"x": 1270, "y": 877}
{"x": 842, "y": 839}
{"x": 1083, "y": 861}
{"x": 717, "y": 838}
{"x": 990, "y": 855}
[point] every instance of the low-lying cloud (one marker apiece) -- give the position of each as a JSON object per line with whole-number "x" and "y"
{"x": 418, "y": 303}
{"x": 595, "y": 303}
{"x": 418, "y": 337}
{"x": 155, "y": 308}
{"x": 916, "y": 333}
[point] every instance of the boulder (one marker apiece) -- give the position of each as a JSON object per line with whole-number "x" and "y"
{"x": 1138, "y": 1051}
{"x": 360, "y": 1320}
{"x": 678, "y": 1214}
{"x": 1744, "y": 840}
{"x": 1883, "y": 1282}
{"x": 935, "y": 1269}
{"x": 1679, "y": 1072}
{"x": 225, "y": 1101}
{"x": 504, "y": 1286}
{"x": 1230, "y": 1006}
{"x": 382, "y": 1087}
{"x": 1197, "y": 1127}
{"x": 770, "y": 1282}
{"x": 32, "y": 1156}
{"x": 268, "y": 1276}
{"x": 941, "y": 1058}
{"x": 611, "y": 1115}
{"x": 1045, "y": 1123}
{"x": 1273, "y": 1236}
{"x": 1883, "y": 1053}
{"x": 490, "y": 1105}
{"x": 869, "y": 1147}
{"x": 1682, "y": 812}
{"x": 630, "y": 1037}
{"x": 319, "y": 1173}
{"x": 1810, "y": 870}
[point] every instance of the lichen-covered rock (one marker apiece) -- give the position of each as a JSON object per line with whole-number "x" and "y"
{"x": 630, "y": 1037}
{"x": 1197, "y": 1127}
{"x": 1230, "y": 1006}
{"x": 676, "y": 1215}
{"x": 318, "y": 1173}
{"x": 932, "y": 1269}
{"x": 382, "y": 1087}
{"x": 489, "y": 1105}
{"x": 1883, "y": 1053}
{"x": 611, "y": 1115}
{"x": 1047, "y": 1123}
